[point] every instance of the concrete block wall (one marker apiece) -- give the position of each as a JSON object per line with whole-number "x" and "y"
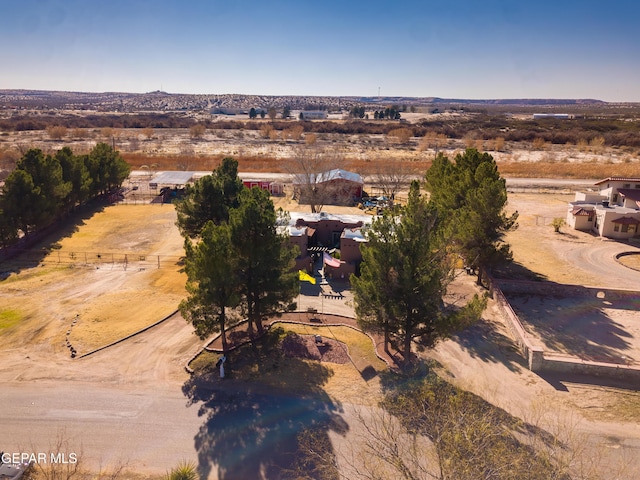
{"x": 537, "y": 359}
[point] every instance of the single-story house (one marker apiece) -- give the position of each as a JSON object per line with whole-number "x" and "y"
{"x": 613, "y": 212}
{"x": 337, "y": 187}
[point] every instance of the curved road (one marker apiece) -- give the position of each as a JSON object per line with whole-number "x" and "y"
{"x": 121, "y": 405}
{"x": 599, "y": 259}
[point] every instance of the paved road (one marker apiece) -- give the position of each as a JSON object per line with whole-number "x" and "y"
{"x": 150, "y": 428}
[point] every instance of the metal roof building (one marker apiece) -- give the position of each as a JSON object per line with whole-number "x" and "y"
{"x": 173, "y": 178}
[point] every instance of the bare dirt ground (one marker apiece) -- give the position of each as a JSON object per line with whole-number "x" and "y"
{"x": 599, "y": 414}
{"x": 35, "y": 366}
{"x": 122, "y": 259}
{"x": 592, "y": 329}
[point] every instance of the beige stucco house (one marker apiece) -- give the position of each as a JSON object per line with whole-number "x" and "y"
{"x": 613, "y": 212}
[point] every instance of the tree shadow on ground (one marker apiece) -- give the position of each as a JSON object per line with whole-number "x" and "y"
{"x": 339, "y": 285}
{"x": 517, "y": 271}
{"x": 254, "y": 418}
{"x": 473, "y": 438}
{"x": 483, "y": 341}
{"x": 560, "y": 380}
{"x": 310, "y": 289}
{"x": 581, "y": 328}
{"x": 31, "y": 252}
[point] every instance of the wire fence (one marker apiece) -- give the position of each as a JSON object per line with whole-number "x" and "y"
{"x": 111, "y": 260}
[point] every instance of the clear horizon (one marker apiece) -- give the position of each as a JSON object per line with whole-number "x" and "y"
{"x": 457, "y": 49}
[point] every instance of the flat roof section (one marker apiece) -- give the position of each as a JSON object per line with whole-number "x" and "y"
{"x": 172, "y": 178}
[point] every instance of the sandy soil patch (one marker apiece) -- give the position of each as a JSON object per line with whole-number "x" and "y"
{"x": 535, "y": 244}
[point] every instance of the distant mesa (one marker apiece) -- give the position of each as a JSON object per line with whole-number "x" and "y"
{"x": 160, "y": 100}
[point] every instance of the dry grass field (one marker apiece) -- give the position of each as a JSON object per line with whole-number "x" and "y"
{"x": 176, "y": 149}
{"x": 85, "y": 276}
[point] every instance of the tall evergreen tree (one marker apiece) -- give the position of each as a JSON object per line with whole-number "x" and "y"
{"x": 211, "y": 282}
{"x": 210, "y": 198}
{"x": 405, "y": 272}
{"x": 107, "y": 168}
{"x": 75, "y": 174}
{"x": 471, "y": 195}
{"x": 49, "y": 185}
{"x": 264, "y": 256}
{"x": 21, "y": 202}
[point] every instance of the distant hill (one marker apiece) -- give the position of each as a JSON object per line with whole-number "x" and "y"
{"x": 165, "y": 102}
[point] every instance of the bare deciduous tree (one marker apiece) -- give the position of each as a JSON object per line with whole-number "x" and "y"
{"x": 538, "y": 143}
{"x": 197, "y": 131}
{"x": 307, "y": 168}
{"x": 80, "y": 133}
{"x": 390, "y": 177}
{"x": 148, "y": 132}
{"x": 400, "y": 135}
{"x": 265, "y": 130}
{"x": 65, "y": 462}
{"x": 310, "y": 139}
{"x": 433, "y": 140}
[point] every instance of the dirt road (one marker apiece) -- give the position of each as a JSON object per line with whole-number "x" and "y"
{"x": 122, "y": 405}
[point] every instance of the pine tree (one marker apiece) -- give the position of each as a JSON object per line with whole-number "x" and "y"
{"x": 405, "y": 272}
{"x": 212, "y": 285}
{"x": 471, "y": 195}
{"x": 265, "y": 258}
{"x": 210, "y": 198}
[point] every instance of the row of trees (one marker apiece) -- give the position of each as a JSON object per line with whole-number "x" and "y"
{"x": 412, "y": 252}
{"x": 390, "y": 113}
{"x": 271, "y": 112}
{"x": 237, "y": 264}
{"x": 43, "y": 188}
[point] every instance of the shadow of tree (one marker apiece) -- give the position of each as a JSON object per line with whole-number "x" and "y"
{"x": 30, "y": 252}
{"x": 310, "y": 289}
{"x": 517, "y": 271}
{"x": 253, "y": 418}
{"x": 480, "y": 341}
{"x": 473, "y": 438}
{"x": 581, "y": 328}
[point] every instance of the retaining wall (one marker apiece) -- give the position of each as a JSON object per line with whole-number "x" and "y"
{"x": 537, "y": 359}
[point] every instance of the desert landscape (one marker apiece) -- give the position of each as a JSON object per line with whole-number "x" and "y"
{"x": 89, "y": 314}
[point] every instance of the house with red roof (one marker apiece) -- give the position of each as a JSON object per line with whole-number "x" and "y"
{"x": 613, "y": 212}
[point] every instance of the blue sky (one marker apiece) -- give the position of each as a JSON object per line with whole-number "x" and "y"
{"x": 444, "y": 48}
